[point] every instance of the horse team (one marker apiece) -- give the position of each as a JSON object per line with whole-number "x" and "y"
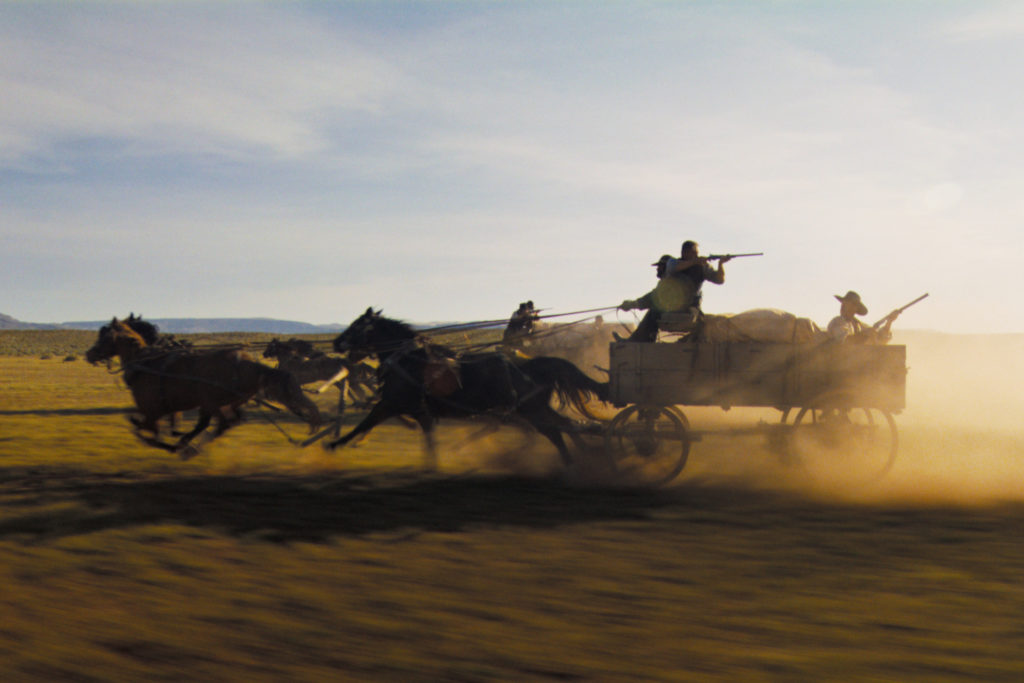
{"x": 414, "y": 379}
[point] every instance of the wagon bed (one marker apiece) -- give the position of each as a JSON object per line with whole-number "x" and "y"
{"x": 756, "y": 374}
{"x": 843, "y": 397}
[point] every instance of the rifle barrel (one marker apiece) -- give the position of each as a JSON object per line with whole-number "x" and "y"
{"x": 714, "y": 257}
{"x": 899, "y": 310}
{"x": 914, "y": 302}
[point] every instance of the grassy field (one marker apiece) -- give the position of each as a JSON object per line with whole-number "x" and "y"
{"x": 261, "y": 561}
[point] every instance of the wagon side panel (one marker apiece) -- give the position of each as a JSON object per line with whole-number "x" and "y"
{"x": 756, "y": 374}
{"x": 661, "y": 374}
{"x": 872, "y": 376}
{"x": 720, "y": 374}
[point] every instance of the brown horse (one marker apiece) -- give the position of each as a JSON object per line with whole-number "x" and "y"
{"x": 218, "y": 383}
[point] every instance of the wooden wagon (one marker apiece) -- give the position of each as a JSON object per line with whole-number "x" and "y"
{"x": 834, "y": 398}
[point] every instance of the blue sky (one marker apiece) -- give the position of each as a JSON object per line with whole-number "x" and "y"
{"x": 445, "y": 161}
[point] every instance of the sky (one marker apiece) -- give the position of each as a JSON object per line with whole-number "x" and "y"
{"x": 444, "y": 161}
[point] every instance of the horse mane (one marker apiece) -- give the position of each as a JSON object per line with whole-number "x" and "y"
{"x": 402, "y": 328}
{"x": 149, "y": 332}
{"x": 397, "y": 327}
{"x": 123, "y": 329}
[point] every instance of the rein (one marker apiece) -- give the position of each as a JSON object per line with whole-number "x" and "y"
{"x": 392, "y": 364}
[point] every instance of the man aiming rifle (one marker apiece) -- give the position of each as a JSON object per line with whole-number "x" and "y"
{"x": 679, "y": 288}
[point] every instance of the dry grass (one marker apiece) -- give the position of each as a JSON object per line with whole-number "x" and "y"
{"x": 261, "y": 561}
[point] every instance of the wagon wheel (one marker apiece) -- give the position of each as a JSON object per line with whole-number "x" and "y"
{"x": 648, "y": 443}
{"x": 836, "y": 433}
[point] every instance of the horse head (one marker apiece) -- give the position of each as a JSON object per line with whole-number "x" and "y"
{"x": 114, "y": 339}
{"x": 274, "y": 348}
{"x": 371, "y": 333}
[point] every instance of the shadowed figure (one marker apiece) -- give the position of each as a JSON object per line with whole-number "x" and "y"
{"x": 218, "y": 383}
{"x": 428, "y": 382}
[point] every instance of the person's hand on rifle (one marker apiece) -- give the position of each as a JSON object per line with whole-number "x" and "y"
{"x": 884, "y": 332}
{"x": 629, "y": 305}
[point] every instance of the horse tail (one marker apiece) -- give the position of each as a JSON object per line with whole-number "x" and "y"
{"x": 281, "y": 386}
{"x": 567, "y": 380}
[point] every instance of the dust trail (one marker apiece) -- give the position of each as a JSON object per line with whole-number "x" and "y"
{"x": 960, "y": 437}
{"x": 962, "y": 440}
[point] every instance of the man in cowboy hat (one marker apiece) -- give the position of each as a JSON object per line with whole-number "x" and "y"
{"x": 679, "y": 288}
{"x": 520, "y": 325}
{"x": 846, "y": 326}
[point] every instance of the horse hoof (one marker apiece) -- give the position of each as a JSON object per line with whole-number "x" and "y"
{"x": 187, "y": 452}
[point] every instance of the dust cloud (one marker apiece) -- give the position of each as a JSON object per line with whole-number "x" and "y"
{"x": 960, "y": 437}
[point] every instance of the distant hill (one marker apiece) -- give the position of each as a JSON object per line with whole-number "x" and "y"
{"x": 9, "y": 323}
{"x": 188, "y": 325}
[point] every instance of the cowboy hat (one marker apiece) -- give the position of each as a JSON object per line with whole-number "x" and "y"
{"x": 853, "y": 297}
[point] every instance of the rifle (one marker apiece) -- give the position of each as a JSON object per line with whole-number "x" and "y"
{"x": 716, "y": 257}
{"x": 896, "y": 312}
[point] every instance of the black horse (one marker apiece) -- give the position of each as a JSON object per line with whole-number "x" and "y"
{"x": 428, "y": 382}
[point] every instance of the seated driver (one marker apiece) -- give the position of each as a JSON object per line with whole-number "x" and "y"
{"x": 845, "y": 327}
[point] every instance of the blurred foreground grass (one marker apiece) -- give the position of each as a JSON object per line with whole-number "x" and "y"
{"x": 261, "y": 561}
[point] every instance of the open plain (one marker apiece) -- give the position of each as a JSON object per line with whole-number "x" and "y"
{"x": 260, "y": 560}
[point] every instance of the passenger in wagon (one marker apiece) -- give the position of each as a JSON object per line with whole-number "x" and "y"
{"x": 845, "y": 327}
{"x": 679, "y": 288}
{"x": 520, "y": 325}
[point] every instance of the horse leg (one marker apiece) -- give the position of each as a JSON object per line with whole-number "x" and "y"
{"x": 147, "y": 427}
{"x": 342, "y": 388}
{"x": 426, "y": 421}
{"x": 149, "y": 423}
{"x": 172, "y": 420}
{"x": 359, "y": 393}
{"x": 227, "y": 417}
{"x": 380, "y": 412}
{"x": 551, "y": 425}
{"x": 554, "y": 435}
{"x": 202, "y": 423}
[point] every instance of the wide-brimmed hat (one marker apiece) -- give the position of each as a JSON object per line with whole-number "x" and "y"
{"x": 854, "y": 297}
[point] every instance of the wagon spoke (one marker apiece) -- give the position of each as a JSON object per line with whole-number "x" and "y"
{"x": 649, "y": 445}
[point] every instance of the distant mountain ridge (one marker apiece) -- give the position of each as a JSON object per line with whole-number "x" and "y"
{"x": 9, "y": 323}
{"x": 187, "y": 325}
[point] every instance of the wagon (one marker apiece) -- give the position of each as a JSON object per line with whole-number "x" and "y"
{"x": 835, "y": 399}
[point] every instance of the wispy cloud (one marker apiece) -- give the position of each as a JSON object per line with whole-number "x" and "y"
{"x": 985, "y": 22}
{"x": 179, "y": 77}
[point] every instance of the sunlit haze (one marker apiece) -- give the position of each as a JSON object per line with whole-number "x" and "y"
{"x": 445, "y": 161}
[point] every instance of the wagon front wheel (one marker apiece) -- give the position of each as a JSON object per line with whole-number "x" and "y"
{"x": 648, "y": 444}
{"x": 853, "y": 442}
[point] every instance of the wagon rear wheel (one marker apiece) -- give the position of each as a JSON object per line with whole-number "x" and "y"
{"x": 853, "y": 442}
{"x": 648, "y": 444}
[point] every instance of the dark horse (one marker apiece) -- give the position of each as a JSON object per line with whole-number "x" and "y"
{"x": 427, "y": 382}
{"x": 218, "y": 383}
